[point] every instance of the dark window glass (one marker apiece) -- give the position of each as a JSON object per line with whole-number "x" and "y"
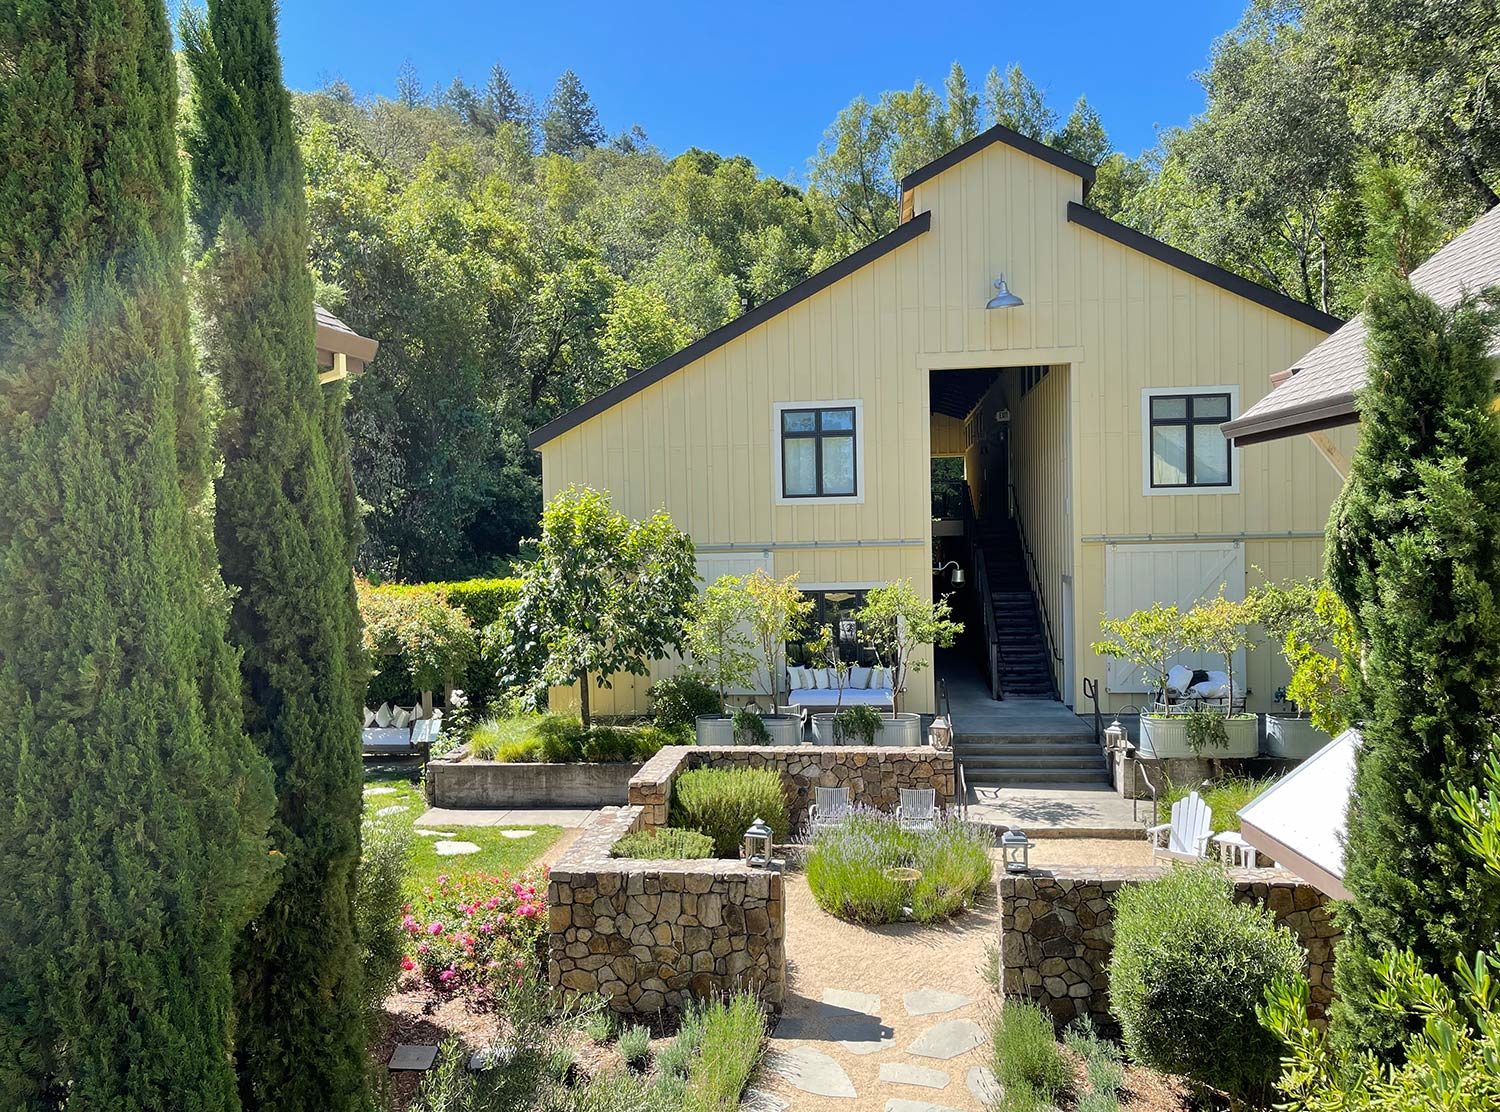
{"x": 818, "y": 457}
{"x": 1187, "y": 446}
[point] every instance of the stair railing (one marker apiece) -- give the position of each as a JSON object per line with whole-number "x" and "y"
{"x": 1036, "y": 582}
{"x": 993, "y": 652}
{"x": 961, "y": 789}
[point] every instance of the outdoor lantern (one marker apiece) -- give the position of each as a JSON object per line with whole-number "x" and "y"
{"x": 1115, "y": 738}
{"x": 1016, "y": 848}
{"x": 940, "y": 733}
{"x": 758, "y": 845}
{"x": 957, "y": 578}
{"x": 1003, "y": 298}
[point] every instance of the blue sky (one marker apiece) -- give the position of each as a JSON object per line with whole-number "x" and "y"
{"x": 765, "y": 79}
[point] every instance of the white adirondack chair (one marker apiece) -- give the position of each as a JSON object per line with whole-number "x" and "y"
{"x": 1185, "y": 838}
{"x": 830, "y": 807}
{"x": 918, "y": 809}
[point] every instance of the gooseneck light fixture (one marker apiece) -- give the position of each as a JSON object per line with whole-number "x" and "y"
{"x": 1003, "y": 298}
{"x": 957, "y": 578}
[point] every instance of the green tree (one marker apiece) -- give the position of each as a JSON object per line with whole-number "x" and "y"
{"x": 282, "y": 534}
{"x": 961, "y": 112}
{"x": 605, "y": 594}
{"x": 779, "y": 612}
{"x": 1082, "y": 135}
{"x": 1414, "y": 553}
{"x": 1014, "y": 100}
{"x": 718, "y": 634}
{"x": 570, "y": 123}
{"x": 898, "y": 622}
{"x": 132, "y": 833}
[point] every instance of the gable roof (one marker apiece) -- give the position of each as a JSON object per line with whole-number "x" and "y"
{"x": 1318, "y": 391}
{"x": 1201, "y": 268}
{"x": 333, "y": 334}
{"x": 1011, "y": 138}
{"x": 734, "y": 329}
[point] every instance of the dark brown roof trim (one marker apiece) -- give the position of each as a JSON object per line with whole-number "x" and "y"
{"x": 1000, "y": 134}
{"x": 1327, "y": 414}
{"x": 1198, "y": 268}
{"x": 735, "y": 328}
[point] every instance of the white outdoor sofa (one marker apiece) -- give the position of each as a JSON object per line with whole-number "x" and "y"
{"x": 823, "y": 695}
{"x": 414, "y": 737}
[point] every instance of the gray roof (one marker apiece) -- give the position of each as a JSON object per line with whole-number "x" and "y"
{"x": 1320, "y": 392}
{"x": 334, "y": 335}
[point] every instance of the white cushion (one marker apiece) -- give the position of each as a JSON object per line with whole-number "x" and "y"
{"x": 383, "y": 715}
{"x": 400, "y": 717}
{"x": 1215, "y": 687}
{"x": 369, "y": 717}
{"x": 1178, "y": 678}
{"x": 880, "y": 677}
{"x": 799, "y": 677}
{"x": 859, "y": 678}
{"x": 874, "y": 697}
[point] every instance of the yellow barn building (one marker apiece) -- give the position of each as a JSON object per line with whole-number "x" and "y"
{"x": 1084, "y": 400}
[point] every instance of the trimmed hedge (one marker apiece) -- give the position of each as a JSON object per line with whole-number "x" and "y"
{"x": 561, "y": 739}
{"x": 664, "y": 844}
{"x": 677, "y": 701}
{"x": 723, "y": 802}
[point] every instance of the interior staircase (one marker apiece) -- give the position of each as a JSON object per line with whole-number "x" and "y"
{"x": 1024, "y": 664}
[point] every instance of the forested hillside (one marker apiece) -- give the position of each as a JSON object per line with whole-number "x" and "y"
{"x": 514, "y": 260}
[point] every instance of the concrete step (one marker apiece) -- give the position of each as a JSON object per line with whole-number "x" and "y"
{"x": 1040, "y": 778}
{"x": 1039, "y": 747}
{"x": 1090, "y": 763}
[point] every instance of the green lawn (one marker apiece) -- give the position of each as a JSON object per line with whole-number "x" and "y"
{"x": 497, "y": 853}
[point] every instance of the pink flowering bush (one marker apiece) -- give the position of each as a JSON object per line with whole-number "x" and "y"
{"x": 466, "y": 928}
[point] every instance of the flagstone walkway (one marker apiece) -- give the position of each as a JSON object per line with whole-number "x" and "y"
{"x": 892, "y": 1018}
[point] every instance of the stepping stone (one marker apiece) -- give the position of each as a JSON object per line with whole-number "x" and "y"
{"x": 811, "y": 1071}
{"x": 380, "y": 791}
{"x": 517, "y": 833}
{"x": 437, "y": 833}
{"x": 454, "y": 849}
{"x": 983, "y": 1086}
{"x": 900, "y": 1073}
{"x": 948, "y": 1040}
{"x": 852, "y": 1001}
{"x": 931, "y": 1001}
{"x": 861, "y": 1034}
{"x": 758, "y": 1100}
{"x": 897, "y": 1104}
{"x": 393, "y": 809}
{"x": 413, "y": 1056}
{"x": 489, "y": 1057}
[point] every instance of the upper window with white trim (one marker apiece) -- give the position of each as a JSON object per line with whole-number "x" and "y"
{"x": 1185, "y": 445}
{"x": 819, "y": 451}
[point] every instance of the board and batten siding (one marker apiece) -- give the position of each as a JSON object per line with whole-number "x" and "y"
{"x": 1110, "y": 320}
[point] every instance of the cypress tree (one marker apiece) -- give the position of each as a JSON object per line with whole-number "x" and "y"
{"x": 133, "y": 808}
{"x": 1414, "y": 552}
{"x": 284, "y": 542}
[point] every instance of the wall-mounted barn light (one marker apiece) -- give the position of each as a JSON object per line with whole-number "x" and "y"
{"x": 1003, "y": 298}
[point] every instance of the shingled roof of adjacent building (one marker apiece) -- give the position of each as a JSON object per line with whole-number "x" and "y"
{"x": 1320, "y": 391}
{"x": 334, "y": 335}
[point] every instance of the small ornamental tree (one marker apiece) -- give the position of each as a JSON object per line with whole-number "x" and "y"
{"x": 1316, "y": 636}
{"x": 1150, "y": 639}
{"x": 1414, "y": 553}
{"x": 606, "y": 594}
{"x": 434, "y": 640}
{"x": 779, "y": 613}
{"x": 898, "y": 622}
{"x": 718, "y": 635}
{"x": 1221, "y": 627}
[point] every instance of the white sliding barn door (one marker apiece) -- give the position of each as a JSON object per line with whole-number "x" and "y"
{"x": 1138, "y": 575}
{"x": 712, "y": 565}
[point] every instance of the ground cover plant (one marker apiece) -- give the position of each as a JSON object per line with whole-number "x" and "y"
{"x": 562, "y": 739}
{"x": 1225, "y": 796}
{"x": 1103, "y": 1067}
{"x": 854, "y": 869}
{"x": 723, "y": 802}
{"x": 469, "y": 928}
{"x": 1189, "y": 968}
{"x": 664, "y": 843}
{"x": 404, "y": 803}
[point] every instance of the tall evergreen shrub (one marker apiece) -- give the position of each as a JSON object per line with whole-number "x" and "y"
{"x": 283, "y": 524}
{"x": 133, "y": 809}
{"x": 1414, "y": 553}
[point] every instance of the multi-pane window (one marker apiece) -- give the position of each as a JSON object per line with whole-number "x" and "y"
{"x": 818, "y": 459}
{"x": 1188, "y": 448}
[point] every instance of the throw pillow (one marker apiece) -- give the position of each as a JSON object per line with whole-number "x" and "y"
{"x": 800, "y": 679}
{"x": 383, "y": 715}
{"x": 859, "y": 678}
{"x": 400, "y": 718}
{"x": 369, "y": 717}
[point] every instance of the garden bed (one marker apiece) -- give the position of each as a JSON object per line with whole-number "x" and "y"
{"x": 460, "y": 781}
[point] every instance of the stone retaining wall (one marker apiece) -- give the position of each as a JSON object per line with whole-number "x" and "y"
{"x": 456, "y": 780}
{"x": 874, "y": 775}
{"x": 656, "y": 935}
{"x": 1057, "y": 931}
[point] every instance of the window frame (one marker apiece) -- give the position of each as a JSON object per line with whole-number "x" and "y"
{"x": 818, "y": 435}
{"x": 1231, "y": 395}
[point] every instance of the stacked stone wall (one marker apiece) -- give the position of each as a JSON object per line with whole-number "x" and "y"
{"x": 1057, "y": 932}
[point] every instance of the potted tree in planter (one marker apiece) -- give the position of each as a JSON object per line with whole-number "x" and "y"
{"x": 778, "y": 613}
{"x": 1222, "y": 627}
{"x": 1317, "y": 640}
{"x": 899, "y": 622}
{"x": 1151, "y": 640}
{"x": 823, "y": 723}
{"x": 718, "y": 636}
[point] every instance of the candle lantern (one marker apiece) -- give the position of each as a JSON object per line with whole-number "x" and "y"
{"x": 1115, "y": 738}
{"x": 1016, "y": 848}
{"x": 757, "y": 850}
{"x": 940, "y": 733}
